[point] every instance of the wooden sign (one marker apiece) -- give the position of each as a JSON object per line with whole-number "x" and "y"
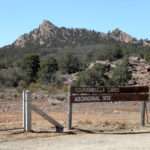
{"x": 108, "y": 94}
{"x": 109, "y": 97}
{"x": 136, "y": 89}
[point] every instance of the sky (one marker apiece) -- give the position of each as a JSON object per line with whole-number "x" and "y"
{"x": 21, "y": 16}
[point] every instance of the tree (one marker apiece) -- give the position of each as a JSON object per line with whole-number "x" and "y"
{"x": 117, "y": 53}
{"x": 10, "y": 77}
{"x": 121, "y": 74}
{"x": 48, "y": 70}
{"x": 71, "y": 64}
{"x": 147, "y": 57}
{"x": 31, "y": 66}
{"x": 93, "y": 77}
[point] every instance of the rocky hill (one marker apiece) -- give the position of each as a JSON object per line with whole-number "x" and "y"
{"x": 49, "y": 39}
{"x": 49, "y": 35}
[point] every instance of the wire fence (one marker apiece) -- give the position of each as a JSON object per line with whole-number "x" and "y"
{"x": 56, "y": 106}
{"x": 91, "y": 114}
{"x": 10, "y": 112}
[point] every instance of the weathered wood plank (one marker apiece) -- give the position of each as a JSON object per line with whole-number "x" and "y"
{"x": 90, "y": 90}
{"x": 143, "y": 107}
{"x": 109, "y": 97}
{"x": 58, "y": 126}
{"x": 69, "y": 111}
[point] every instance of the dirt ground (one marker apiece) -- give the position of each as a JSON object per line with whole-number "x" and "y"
{"x": 82, "y": 142}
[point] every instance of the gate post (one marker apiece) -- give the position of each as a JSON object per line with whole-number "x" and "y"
{"x": 23, "y": 109}
{"x": 69, "y": 109}
{"x": 27, "y": 111}
{"x": 143, "y": 107}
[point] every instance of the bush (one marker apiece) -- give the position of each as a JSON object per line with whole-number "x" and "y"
{"x": 30, "y": 66}
{"x": 111, "y": 54}
{"x": 121, "y": 74}
{"x": 10, "y": 77}
{"x": 58, "y": 79}
{"x": 48, "y": 70}
{"x": 93, "y": 77}
{"x": 70, "y": 63}
{"x": 147, "y": 57}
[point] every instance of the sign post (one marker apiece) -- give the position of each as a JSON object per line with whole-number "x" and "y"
{"x": 143, "y": 107}
{"x": 69, "y": 111}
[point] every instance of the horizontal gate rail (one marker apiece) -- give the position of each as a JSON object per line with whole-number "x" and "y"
{"x": 59, "y": 127}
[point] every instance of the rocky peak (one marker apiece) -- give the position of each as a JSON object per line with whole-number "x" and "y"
{"x": 121, "y": 36}
{"x": 117, "y": 32}
{"x": 40, "y": 35}
{"x": 47, "y": 25}
{"x": 46, "y": 30}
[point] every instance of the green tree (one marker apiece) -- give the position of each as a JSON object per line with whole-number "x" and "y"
{"x": 48, "y": 70}
{"x": 147, "y": 57}
{"x": 121, "y": 74}
{"x": 31, "y": 66}
{"x": 93, "y": 77}
{"x": 10, "y": 77}
{"x": 71, "y": 64}
{"x": 117, "y": 53}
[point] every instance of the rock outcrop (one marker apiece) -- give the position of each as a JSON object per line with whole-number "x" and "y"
{"x": 49, "y": 35}
{"x": 121, "y": 36}
{"x": 140, "y": 71}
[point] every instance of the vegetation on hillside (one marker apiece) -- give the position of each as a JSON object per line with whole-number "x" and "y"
{"x": 45, "y": 64}
{"x": 99, "y": 75}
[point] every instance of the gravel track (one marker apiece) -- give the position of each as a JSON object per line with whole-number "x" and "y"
{"x": 82, "y": 142}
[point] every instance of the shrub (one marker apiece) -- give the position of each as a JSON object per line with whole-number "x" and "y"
{"x": 70, "y": 63}
{"x": 147, "y": 57}
{"x": 30, "y": 67}
{"x": 93, "y": 77}
{"x": 121, "y": 74}
{"x": 10, "y": 77}
{"x": 48, "y": 70}
{"x": 111, "y": 54}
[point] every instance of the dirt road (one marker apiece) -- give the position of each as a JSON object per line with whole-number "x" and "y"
{"x": 82, "y": 142}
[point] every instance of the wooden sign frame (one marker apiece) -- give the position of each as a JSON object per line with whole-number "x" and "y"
{"x": 107, "y": 94}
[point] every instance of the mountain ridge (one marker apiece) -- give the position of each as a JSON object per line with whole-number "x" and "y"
{"x": 50, "y": 35}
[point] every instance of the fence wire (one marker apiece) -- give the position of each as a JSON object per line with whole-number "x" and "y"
{"x": 56, "y": 106}
{"x": 93, "y": 114}
{"x": 10, "y": 112}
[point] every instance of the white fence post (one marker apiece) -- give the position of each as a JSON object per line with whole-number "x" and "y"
{"x": 26, "y": 111}
{"x": 23, "y": 109}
